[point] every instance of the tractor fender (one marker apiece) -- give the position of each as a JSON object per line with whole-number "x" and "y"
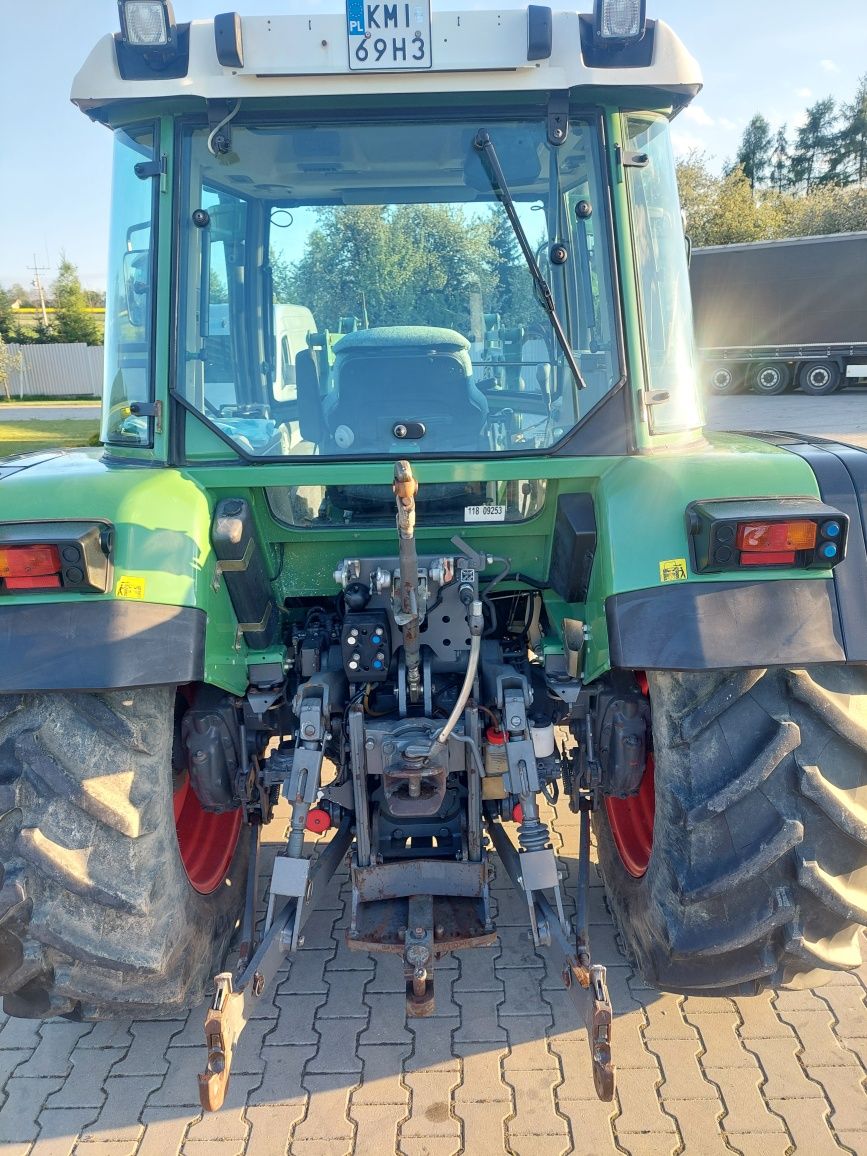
{"x": 165, "y": 619}
{"x": 694, "y": 626}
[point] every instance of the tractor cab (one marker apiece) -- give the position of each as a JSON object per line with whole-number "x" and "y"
{"x": 455, "y": 231}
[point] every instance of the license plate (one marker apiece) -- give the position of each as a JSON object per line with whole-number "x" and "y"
{"x": 388, "y": 37}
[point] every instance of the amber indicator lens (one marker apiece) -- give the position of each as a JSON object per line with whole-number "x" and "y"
{"x": 776, "y": 537}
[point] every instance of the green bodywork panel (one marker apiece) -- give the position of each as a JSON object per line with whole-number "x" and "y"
{"x": 162, "y": 517}
{"x": 162, "y": 514}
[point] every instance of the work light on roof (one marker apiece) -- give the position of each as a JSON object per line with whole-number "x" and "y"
{"x": 147, "y": 23}
{"x": 620, "y": 21}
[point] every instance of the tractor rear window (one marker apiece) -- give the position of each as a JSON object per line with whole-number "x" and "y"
{"x": 437, "y": 504}
{"x": 358, "y": 290}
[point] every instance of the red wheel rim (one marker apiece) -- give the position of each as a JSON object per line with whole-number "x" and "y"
{"x": 631, "y": 820}
{"x": 206, "y": 841}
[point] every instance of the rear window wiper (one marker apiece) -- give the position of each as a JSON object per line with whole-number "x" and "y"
{"x": 491, "y": 162}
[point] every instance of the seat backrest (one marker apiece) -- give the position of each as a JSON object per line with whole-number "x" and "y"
{"x": 419, "y": 379}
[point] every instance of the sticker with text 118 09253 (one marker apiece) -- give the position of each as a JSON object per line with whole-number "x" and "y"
{"x": 128, "y": 587}
{"x": 673, "y": 570}
{"x": 491, "y": 512}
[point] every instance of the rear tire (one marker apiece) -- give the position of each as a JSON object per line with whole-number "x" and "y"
{"x": 771, "y": 378}
{"x": 758, "y": 870}
{"x": 819, "y": 377}
{"x": 98, "y": 916}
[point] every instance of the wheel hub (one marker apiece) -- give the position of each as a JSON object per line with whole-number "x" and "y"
{"x": 631, "y": 820}
{"x": 206, "y": 840}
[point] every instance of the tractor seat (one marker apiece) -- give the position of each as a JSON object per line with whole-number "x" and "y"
{"x": 404, "y": 388}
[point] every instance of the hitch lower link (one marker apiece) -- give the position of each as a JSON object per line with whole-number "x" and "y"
{"x": 236, "y": 994}
{"x": 584, "y": 980}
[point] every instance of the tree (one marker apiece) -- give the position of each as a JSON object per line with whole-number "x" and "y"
{"x": 699, "y": 193}
{"x": 7, "y": 316}
{"x": 405, "y": 264}
{"x": 281, "y": 278}
{"x": 9, "y": 363}
{"x": 18, "y": 293}
{"x": 513, "y": 290}
{"x": 853, "y": 136}
{"x": 218, "y": 293}
{"x": 812, "y": 162}
{"x": 754, "y": 154}
{"x": 72, "y": 322}
{"x": 720, "y": 210}
{"x": 781, "y": 161}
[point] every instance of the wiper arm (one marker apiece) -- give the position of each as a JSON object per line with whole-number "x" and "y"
{"x": 499, "y": 184}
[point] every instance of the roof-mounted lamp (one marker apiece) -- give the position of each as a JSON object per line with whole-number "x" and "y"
{"x": 147, "y": 23}
{"x": 617, "y": 23}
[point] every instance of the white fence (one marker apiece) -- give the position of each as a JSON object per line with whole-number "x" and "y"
{"x": 56, "y": 371}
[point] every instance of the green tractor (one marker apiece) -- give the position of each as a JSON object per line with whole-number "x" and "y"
{"x": 405, "y": 509}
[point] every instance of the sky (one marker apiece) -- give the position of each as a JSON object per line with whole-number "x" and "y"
{"x": 773, "y": 56}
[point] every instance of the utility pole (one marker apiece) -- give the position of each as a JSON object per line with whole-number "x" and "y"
{"x": 35, "y": 269}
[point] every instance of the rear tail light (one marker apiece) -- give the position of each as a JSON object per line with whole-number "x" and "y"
{"x": 70, "y": 556}
{"x": 800, "y": 533}
{"x": 30, "y": 567}
{"x": 775, "y": 537}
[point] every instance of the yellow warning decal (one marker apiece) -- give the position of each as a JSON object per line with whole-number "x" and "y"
{"x": 130, "y": 587}
{"x": 673, "y": 570}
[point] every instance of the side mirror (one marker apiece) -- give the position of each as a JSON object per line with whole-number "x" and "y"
{"x": 137, "y": 286}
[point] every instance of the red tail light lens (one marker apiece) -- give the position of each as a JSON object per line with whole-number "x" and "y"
{"x": 30, "y": 567}
{"x": 776, "y": 537}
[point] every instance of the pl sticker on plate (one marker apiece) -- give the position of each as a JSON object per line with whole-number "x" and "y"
{"x": 488, "y": 513}
{"x": 388, "y": 37}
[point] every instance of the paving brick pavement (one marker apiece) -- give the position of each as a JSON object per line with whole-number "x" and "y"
{"x": 331, "y": 1066}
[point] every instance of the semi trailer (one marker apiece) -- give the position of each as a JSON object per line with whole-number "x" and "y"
{"x": 774, "y": 316}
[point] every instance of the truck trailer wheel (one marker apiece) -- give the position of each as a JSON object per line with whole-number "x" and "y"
{"x": 742, "y": 860}
{"x": 819, "y": 377}
{"x": 724, "y": 379}
{"x": 771, "y": 377}
{"x": 119, "y": 893}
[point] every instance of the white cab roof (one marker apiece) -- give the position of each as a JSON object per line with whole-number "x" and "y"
{"x": 476, "y": 46}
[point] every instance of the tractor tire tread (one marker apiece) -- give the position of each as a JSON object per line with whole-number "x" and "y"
{"x": 759, "y": 869}
{"x": 96, "y": 913}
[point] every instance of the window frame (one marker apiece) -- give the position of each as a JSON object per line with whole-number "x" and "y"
{"x": 593, "y": 117}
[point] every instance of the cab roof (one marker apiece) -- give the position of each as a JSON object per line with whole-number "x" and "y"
{"x": 476, "y": 46}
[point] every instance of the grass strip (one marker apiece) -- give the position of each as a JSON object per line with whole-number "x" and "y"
{"x": 23, "y": 437}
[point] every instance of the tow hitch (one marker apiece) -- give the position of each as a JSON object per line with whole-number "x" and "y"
{"x": 418, "y": 780}
{"x": 237, "y": 993}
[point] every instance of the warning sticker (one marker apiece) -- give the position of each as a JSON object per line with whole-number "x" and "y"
{"x": 673, "y": 570}
{"x": 130, "y": 587}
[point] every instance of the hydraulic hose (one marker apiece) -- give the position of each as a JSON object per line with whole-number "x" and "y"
{"x": 476, "y": 621}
